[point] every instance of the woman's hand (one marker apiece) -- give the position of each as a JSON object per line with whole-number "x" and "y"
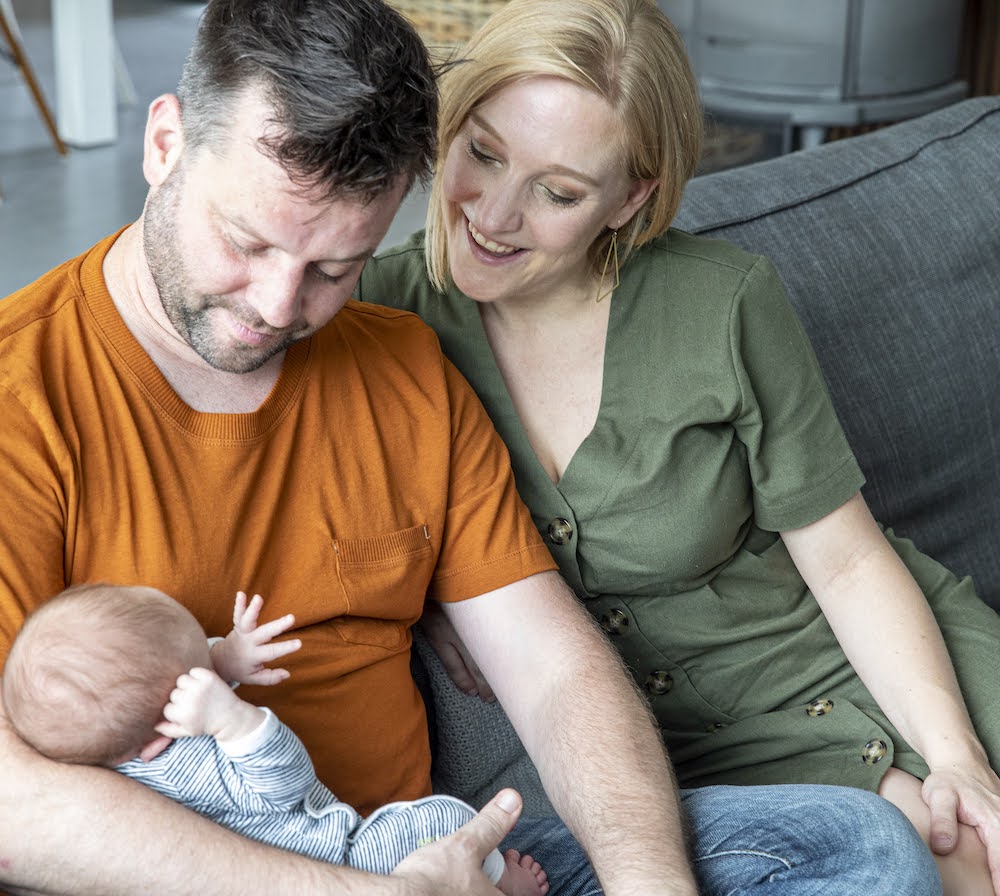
{"x": 454, "y": 656}
{"x": 970, "y": 796}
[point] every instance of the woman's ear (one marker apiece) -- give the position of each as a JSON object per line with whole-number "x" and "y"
{"x": 163, "y": 140}
{"x": 639, "y": 192}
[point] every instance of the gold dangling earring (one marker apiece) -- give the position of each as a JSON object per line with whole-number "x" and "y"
{"x": 612, "y": 251}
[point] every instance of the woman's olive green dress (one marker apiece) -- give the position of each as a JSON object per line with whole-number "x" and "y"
{"x": 715, "y": 432}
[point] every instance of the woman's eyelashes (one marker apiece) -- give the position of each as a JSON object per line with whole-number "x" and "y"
{"x": 559, "y": 198}
{"x": 479, "y": 154}
{"x": 484, "y": 157}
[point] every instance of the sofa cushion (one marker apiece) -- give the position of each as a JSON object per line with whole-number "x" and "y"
{"x": 889, "y": 246}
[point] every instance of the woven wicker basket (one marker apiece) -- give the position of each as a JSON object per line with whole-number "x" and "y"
{"x": 445, "y": 25}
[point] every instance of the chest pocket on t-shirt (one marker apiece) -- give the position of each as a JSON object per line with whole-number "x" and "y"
{"x": 385, "y": 580}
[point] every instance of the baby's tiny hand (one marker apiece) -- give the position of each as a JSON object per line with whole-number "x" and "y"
{"x": 199, "y": 704}
{"x": 244, "y": 654}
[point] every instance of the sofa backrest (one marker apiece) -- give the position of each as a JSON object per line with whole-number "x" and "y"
{"x": 889, "y": 246}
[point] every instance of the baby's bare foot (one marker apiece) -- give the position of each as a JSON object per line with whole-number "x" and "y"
{"x": 522, "y": 876}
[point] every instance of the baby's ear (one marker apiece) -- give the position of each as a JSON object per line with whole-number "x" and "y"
{"x": 155, "y": 747}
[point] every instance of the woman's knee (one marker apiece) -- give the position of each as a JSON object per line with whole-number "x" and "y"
{"x": 848, "y": 838}
{"x": 889, "y": 839}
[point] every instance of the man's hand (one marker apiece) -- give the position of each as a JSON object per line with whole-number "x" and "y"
{"x": 454, "y": 864}
{"x": 202, "y": 703}
{"x": 245, "y": 652}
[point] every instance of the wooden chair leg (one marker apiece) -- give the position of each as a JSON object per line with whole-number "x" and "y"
{"x": 21, "y": 61}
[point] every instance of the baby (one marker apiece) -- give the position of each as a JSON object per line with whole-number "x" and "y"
{"x": 125, "y": 677}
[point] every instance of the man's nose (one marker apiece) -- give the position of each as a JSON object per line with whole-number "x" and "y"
{"x": 276, "y": 292}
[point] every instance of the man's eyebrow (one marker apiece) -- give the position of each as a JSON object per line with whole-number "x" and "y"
{"x": 363, "y": 255}
{"x": 237, "y": 222}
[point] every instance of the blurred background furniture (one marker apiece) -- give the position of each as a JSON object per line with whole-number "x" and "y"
{"x": 19, "y": 59}
{"x": 89, "y": 69}
{"x": 445, "y": 25}
{"x": 809, "y": 65}
{"x": 980, "y": 56}
{"x": 85, "y": 70}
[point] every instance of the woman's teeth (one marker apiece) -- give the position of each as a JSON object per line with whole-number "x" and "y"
{"x": 489, "y": 245}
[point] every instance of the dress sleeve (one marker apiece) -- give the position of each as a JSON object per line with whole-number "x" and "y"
{"x": 801, "y": 465}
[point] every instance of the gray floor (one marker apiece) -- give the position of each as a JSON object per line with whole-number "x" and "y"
{"x": 55, "y": 207}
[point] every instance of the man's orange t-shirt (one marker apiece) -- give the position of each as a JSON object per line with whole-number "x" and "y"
{"x": 369, "y": 479}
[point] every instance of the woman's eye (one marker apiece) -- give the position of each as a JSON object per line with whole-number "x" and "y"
{"x": 559, "y": 198}
{"x": 479, "y": 154}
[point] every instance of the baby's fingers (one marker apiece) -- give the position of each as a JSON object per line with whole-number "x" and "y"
{"x": 245, "y": 614}
{"x": 171, "y": 729}
{"x": 267, "y": 677}
{"x": 274, "y": 650}
{"x": 274, "y": 628}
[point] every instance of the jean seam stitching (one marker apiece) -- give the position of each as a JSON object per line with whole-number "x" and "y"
{"x": 746, "y": 852}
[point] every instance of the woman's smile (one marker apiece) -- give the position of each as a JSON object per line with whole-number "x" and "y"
{"x": 492, "y": 247}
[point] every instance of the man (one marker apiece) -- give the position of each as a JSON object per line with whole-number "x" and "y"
{"x": 192, "y": 405}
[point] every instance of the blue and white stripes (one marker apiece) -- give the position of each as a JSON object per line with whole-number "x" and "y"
{"x": 265, "y": 788}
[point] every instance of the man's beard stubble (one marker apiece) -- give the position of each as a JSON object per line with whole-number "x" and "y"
{"x": 188, "y": 312}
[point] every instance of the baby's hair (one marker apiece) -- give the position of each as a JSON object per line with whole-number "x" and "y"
{"x": 90, "y": 671}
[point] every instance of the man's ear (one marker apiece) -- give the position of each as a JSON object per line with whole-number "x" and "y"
{"x": 639, "y": 191}
{"x": 164, "y": 139}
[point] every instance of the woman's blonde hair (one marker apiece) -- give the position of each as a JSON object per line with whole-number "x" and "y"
{"x": 627, "y": 52}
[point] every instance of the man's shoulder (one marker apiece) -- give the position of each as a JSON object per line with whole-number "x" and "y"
{"x": 368, "y": 314}
{"x": 374, "y": 332}
{"x": 395, "y": 324}
{"x": 56, "y": 293}
{"x": 39, "y": 324}
{"x": 39, "y": 301}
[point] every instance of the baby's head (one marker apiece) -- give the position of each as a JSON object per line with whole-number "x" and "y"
{"x": 90, "y": 671}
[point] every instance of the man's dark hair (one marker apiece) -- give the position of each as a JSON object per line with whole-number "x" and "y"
{"x": 353, "y": 94}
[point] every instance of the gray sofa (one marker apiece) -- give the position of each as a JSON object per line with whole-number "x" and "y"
{"x": 889, "y": 246}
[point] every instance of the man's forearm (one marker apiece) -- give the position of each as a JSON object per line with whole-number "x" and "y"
{"x": 586, "y": 728}
{"x": 77, "y": 830}
{"x": 618, "y": 794}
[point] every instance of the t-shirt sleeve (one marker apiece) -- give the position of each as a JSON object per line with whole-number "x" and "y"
{"x": 489, "y": 537}
{"x": 801, "y": 465}
{"x": 32, "y": 506}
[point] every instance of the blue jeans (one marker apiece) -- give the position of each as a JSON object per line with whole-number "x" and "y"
{"x": 801, "y": 840}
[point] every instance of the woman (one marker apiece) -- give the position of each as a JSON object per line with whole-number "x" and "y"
{"x": 673, "y": 437}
